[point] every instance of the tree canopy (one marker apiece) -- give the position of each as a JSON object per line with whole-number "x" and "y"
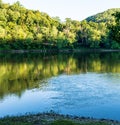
{"x": 21, "y": 28}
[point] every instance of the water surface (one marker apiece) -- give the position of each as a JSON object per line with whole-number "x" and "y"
{"x": 84, "y": 84}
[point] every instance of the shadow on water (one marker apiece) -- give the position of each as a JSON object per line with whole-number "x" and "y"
{"x": 20, "y": 72}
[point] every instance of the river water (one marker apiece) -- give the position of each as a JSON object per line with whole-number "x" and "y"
{"x": 83, "y": 84}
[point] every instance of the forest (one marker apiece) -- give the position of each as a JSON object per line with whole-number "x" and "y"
{"x": 24, "y": 29}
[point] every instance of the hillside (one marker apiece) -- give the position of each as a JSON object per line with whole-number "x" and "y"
{"x": 24, "y": 29}
{"x": 105, "y": 16}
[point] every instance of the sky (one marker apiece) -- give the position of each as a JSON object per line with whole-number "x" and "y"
{"x": 74, "y": 9}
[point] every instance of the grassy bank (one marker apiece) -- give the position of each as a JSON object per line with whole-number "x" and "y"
{"x": 54, "y": 119}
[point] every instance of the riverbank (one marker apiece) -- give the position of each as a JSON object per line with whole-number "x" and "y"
{"x": 54, "y": 119}
{"x": 60, "y": 51}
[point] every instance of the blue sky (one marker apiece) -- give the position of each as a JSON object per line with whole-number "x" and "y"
{"x": 74, "y": 9}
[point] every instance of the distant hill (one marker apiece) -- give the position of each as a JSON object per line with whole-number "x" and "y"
{"x": 105, "y": 16}
{"x": 24, "y": 29}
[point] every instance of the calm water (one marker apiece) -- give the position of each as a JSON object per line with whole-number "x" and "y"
{"x": 84, "y": 84}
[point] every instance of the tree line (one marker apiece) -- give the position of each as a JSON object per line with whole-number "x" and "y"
{"x": 21, "y": 28}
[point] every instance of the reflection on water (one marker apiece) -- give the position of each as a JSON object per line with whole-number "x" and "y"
{"x": 24, "y": 75}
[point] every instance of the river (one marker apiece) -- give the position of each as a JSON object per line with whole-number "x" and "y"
{"x": 82, "y": 84}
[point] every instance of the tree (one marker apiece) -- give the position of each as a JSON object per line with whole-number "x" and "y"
{"x": 115, "y": 32}
{"x": 2, "y": 33}
{"x": 21, "y": 27}
{"x": 1, "y": 3}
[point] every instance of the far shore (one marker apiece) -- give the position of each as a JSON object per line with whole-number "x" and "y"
{"x": 59, "y": 51}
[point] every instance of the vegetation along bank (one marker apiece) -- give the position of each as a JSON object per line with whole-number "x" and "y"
{"x": 23, "y": 29}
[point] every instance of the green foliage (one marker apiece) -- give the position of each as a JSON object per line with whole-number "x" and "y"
{"x": 114, "y": 33}
{"x": 40, "y": 120}
{"x": 19, "y": 25}
{"x": 105, "y": 16}
{"x": 63, "y": 122}
{"x": 68, "y": 122}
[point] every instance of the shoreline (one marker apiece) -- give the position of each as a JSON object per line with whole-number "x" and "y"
{"x": 60, "y": 51}
{"x": 51, "y": 117}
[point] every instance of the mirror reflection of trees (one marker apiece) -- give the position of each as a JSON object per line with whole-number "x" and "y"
{"x": 19, "y": 72}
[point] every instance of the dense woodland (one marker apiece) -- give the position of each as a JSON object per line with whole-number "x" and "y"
{"x": 21, "y": 28}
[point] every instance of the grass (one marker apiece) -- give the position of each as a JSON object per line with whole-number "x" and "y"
{"x": 67, "y": 122}
{"x": 56, "y": 122}
{"x": 52, "y": 119}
